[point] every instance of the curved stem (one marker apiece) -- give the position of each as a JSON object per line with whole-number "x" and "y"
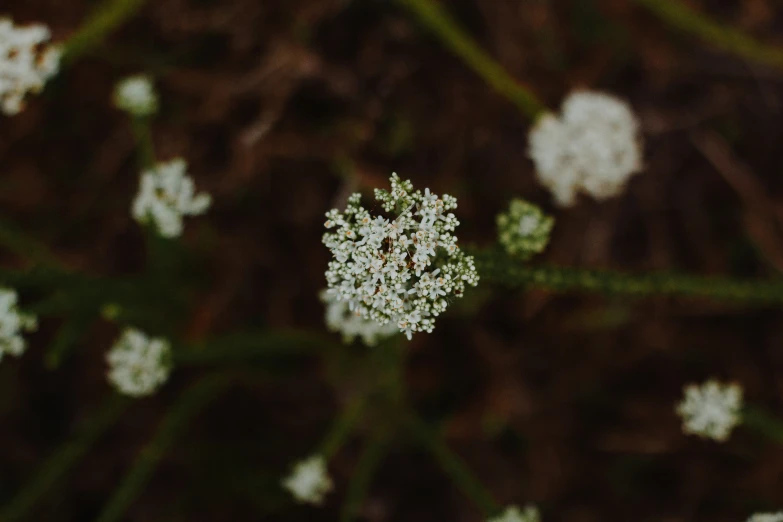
{"x": 371, "y": 457}
{"x": 442, "y": 25}
{"x": 680, "y": 16}
{"x": 342, "y": 428}
{"x": 105, "y": 19}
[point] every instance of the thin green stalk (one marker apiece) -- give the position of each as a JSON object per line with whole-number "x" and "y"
{"x": 342, "y": 428}
{"x": 146, "y": 146}
{"x": 499, "y": 268}
{"x": 677, "y": 14}
{"x": 190, "y": 403}
{"x": 104, "y": 20}
{"x": 437, "y": 20}
{"x": 58, "y": 464}
{"x": 762, "y": 421}
{"x": 371, "y": 456}
{"x": 454, "y": 468}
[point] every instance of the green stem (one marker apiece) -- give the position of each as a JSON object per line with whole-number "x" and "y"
{"x": 763, "y": 422}
{"x": 104, "y": 20}
{"x": 437, "y": 20}
{"x": 26, "y": 247}
{"x": 370, "y": 458}
{"x": 454, "y": 467}
{"x": 342, "y": 428}
{"x": 146, "y": 146}
{"x": 58, "y": 464}
{"x": 496, "y": 267}
{"x": 190, "y": 403}
{"x": 680, "y": 16}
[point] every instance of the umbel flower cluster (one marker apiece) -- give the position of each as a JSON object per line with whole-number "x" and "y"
{"x": 138, "y": 364}
{"x": 136, "y": 95}
{"x": 26, "y": 63}
{"x": 514, "y": 514}
{"x": 402, "y": 270}
{"x": 309, "y": 481}
{"x": 166, "y": 194}
{"x": 12, "y": 324}
{"x": 593, "y": 147}
{"x": 524, "y": 230}
{"x": 711, "y": 410}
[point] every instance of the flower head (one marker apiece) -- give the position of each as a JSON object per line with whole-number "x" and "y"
{"x": 711, "y": 410}
{"x": 166, "y": 194}
{"x": 767, "y": 517}
{"x": 513, "y": 514}
{"x": 309, "y": 481}
{"x": 403, "y": 269}
{"x": 138, "y": 365}
{"x": 340, "y": 319}
{"x": 25, "y": 62}
{"x": 12, "y": 323}
{"x": 593, "y": 147}
{"x": 524, "y": 230}
{"x": 136, "y": 95}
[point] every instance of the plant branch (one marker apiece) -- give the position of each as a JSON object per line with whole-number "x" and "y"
{"x": 371, "y": 456}
{"x": 105, "y": 19}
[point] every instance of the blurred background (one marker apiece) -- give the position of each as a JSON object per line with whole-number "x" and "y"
{"x": 282, "y": 108}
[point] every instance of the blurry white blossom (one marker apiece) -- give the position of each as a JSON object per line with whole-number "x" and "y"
{"x": 513, "y": 514}
{"x": 711, "y": 410}
{"x": 136, "y": 95}
{"x": 26, "y": 63}
{"x": 592, "y": 147}
{"x": 403, "y": 270}
{"x": 12, "y": 324}
{"x": 138, "y": 365}
{"x": 767, "y": 517}
{"x": 340, "y": 319}
{"x": 309, "y": 480}
{"x": 524, "y": 230}
{"x": 166, "y": 194}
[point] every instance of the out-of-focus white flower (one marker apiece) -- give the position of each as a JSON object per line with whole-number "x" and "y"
{"x": 309, "y": 480}
{"x": 593, "y": 147}
{"x": 12, "y": 324}
{"x": 513, "y": 514}
{"x": 402, "y": 270}
{"x": 25, "y": 62}
{"x": 767, "y": 517}
{"x": 138, "y": 365}
{"x": 136, "y": 95}
{"x": 524, "y": 230}
{"x": 166, "y": 194}
{"x": 711, "y": 410}
{"x": 340, "y": 319}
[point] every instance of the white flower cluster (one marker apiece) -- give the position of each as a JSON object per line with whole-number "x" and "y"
{"x": 340, "y": 319}
{"x": 25, "y": 63}
{"x": 524, "y": 230}
{"x": 138, "y": 365}
{"x": 767, "y": 517}
{"x": 166, "y": 194}
{"x": 136, "y": 95}
{"x": 592, "y": 147}
{"x": 309, "y": 480}
{"x": 711, "y": 410}
{"x": 514, "y": 514}
{"x": 12, "y": 323}
{"x": 401, "y": 270}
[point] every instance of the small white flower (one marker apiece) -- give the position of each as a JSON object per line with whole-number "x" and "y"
{"x": 138, "y": 365}
{"x": 711, "y": 410}
{"x": 524, "y": 230}
{"x": 513, "y": 514}
{"x": 136, "y": 95}
{"x": 309, "y": 480}
{"x": 12, "y": 323}
{"x": 767, "y": 517}
{"x": 166, "y": 194}
{"x": 25, "y": 63}
{"x": 593, "y": 147}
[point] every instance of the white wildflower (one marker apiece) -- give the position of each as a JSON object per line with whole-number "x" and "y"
{"x": 767, "y": 517}
{"x": 593, "y": 147}
{"x": 513, "y": 514}
{"x": 136, "y": 95}
{"x": 138, "y": 365}
{"x": 12, "y": 324}
{"x": 340, "y": 319}
{"x": 309, "y": 480}
{"x": 711, "y": 410}
{"x": 402, "y": 270}
{"x": 26, "y": 63}
{"x": 524, "y": 230}
{"x": 166, "y": 194}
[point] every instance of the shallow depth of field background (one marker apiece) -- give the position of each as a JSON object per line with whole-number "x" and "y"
{"x": 281, "y": 108}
